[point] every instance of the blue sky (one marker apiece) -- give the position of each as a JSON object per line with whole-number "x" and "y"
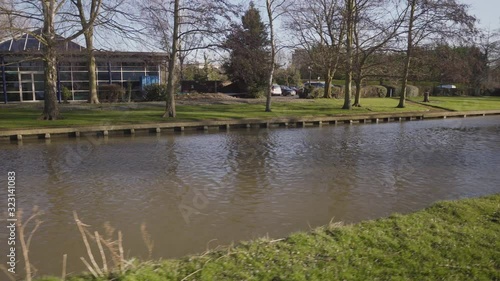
{"x": 487, "y": 11}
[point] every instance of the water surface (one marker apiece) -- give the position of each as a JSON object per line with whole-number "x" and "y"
{"x": 195, "y": 191}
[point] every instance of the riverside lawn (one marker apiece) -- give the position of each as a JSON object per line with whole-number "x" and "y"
{"x": 24, "y": 115}
{"x": 454, "y": 240}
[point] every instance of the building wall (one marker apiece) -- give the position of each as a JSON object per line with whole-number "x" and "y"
{"x": 24, "y": 79}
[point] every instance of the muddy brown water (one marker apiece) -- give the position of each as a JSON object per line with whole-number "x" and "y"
{"x": 195, "y": 191}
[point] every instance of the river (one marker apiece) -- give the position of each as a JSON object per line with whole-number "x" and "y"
{"x": 194, "y": 191}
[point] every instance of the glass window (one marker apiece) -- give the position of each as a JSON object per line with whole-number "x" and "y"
{"x": 11, "y": 67}
{"x": 80, "y": 76}
{"x": 26, "y": 77}
{"x": 81, "y": 95}
{"x": 103, "y": 76}
{"x": 27, "y": 87}
{"x": 80, "y": 86}
{"x": 12, "y": 87}
{"x": 64, "y": 68}
{"x": 10, "y": 76}
{"x": 39, "y": 77}
{"x": 128, "y": 64}
{"x": 65, "y": 76}
{"x": 116, "y": 76}
{"x": 40, "y": 95}
{"x": 39, "y": 86}
{"x": 27, "y": 95}
{"x": 132, "y": 75}
{"x": 13, "y": 97}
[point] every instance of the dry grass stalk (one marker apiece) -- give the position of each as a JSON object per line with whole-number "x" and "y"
{"x": 81, "y": 226}
{"x": 146, "y": 237}
{"x": 63, "y": 274}
{"x": 6, "y": 271}
{"x": 120, "y": 249}
{"x": 89, "y": 267}
{"x": 101, "y": 250}
{"x": 26, "y": 243}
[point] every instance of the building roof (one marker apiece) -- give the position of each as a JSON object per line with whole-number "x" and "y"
{"x": 28, "y": 42}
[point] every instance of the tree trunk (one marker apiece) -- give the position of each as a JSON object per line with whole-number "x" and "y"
{"x": 349, "y": 34}
{"x": 273, "y": 55}
{"x": 50, "y": 109}
{"x": 402, "y": 98}
{"x": 89, "y": 38}
{"x": 426, "y": 96}
{"x": 357, "y": 97}
{"x": 171, "y": 80}
{"x": 327, "y": 93}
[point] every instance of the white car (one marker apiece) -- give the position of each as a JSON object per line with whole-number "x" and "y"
{"x": 276, "y": 90}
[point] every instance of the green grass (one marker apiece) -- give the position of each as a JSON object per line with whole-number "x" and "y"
{"x": 455, "y": 240}
{"x": 464, "y": 103}
{"x": 25, "y": 116}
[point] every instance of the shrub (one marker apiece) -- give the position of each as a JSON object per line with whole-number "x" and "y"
{"x": 341, "y": 92}
{"x": 316, "y": 93}
{"x": 304, "y": 93}
{"x": 337, "y": 92}
{"x": 66, "y": 94}
{"x": 412, "y": 91}
{"x": 374, "y": 91}
{"x": 111, "y": 92}
{"x": 255, "y": 92}
{"x": 155, "y": 92}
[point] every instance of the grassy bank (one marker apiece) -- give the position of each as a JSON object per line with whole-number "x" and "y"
{"x": 463, "y": 103}
{"x": 25, "y": 115}
{"x": 21, "y": 116}
{"x": 456, "y": 240}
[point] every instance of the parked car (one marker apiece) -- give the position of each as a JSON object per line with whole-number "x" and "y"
{"x": 276, "y": 90}
{"x": 287, "y": 91}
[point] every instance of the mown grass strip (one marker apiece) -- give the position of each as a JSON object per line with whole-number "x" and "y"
{"x": 455, "y": 240}
{"x": 25, "y": 116}
{"x": 463, "y": 103}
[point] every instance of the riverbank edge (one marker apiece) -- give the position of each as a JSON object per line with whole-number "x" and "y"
{"x": 226, "y": 124}
{"x": 450, "y": 240}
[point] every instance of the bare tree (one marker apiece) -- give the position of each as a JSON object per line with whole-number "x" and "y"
{"x": 349, "y": 13}
{"x": 272, "y": 7}
{"x": 373, "y": 28}
{"x": 443, "y": 19}
{"x": 49, "y": 14}
{"x": 89, "y": 41}
{"x": 319, "y": 28}
{"x": 174, "y": 20}
{"x": 489, "y": 43}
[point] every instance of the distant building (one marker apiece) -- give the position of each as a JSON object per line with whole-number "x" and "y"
{"x": 22, "y": 70}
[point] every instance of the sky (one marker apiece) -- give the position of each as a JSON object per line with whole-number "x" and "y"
{"x": 486, "y": 11}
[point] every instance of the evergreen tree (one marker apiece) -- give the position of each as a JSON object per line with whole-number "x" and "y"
{"x": 248, "y": 44}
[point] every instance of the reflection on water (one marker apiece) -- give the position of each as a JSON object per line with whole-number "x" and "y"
{"x": 195, "y": 191}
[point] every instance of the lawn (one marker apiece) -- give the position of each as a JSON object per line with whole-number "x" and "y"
{"x": 454, "y": 240}
{"x": 464, "y": 103}
{"x": 25, "y": 116}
